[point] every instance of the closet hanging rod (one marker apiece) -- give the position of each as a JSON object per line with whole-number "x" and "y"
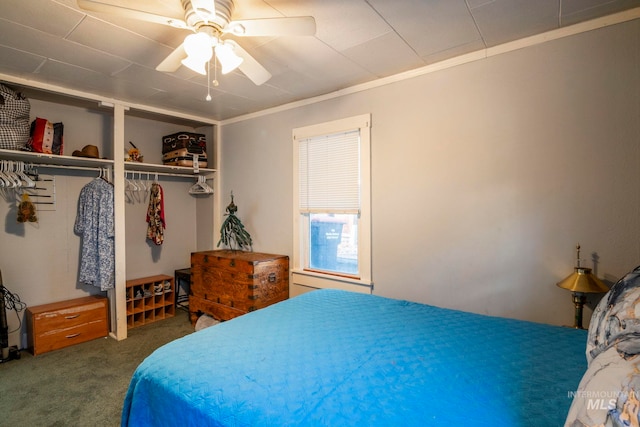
{"x": 152, "y": 174}
{"x": 95, "y": 168}
{"x": 82, "y": 168}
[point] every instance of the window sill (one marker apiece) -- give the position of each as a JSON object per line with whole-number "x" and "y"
{"x": 325, "y": 281}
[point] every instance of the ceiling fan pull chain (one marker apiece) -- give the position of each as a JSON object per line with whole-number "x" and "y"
{"x": 208, "y": 98}
{"x": 215, "y": 71}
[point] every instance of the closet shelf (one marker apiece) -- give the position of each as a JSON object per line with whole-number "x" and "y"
{"x": 53, "y": 159}
{"x": 165, "y": 169}
{"x": 72, "y": 161}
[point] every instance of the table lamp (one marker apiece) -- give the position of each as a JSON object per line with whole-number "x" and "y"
{"x": 580, "y": 282}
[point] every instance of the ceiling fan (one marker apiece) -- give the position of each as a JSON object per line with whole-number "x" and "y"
{"x": 210, "y": 21}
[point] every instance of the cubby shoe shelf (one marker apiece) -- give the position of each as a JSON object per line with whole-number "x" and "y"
{"x": 150, "y": 299}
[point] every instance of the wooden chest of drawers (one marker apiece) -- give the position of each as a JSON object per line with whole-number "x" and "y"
{"x": 61, "y": 324}
{"x": 226, "y": 284}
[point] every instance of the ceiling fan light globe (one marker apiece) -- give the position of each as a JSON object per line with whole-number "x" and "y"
{"x": 195, "y": 64}
{"x": 199, "y": 52}
{"x": 198, "y": 44}
{"x": 227, "y": 68}
{"x": 229, "y": 61}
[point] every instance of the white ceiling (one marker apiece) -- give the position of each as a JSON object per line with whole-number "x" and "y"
{"x": 357, "y": 41}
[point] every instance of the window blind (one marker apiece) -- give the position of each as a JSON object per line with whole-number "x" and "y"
{"x": 329, "y": 173}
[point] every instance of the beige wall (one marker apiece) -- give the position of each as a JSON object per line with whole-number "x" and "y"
{"x": 484, "y": 176}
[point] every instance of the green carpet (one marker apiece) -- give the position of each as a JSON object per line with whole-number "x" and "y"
{"x": 82, "y": 385}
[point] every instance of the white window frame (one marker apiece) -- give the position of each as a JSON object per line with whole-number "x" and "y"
{"x": 314, "y": 279}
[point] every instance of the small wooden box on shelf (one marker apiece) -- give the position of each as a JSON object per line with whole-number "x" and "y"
{"x": 150, "y": 299}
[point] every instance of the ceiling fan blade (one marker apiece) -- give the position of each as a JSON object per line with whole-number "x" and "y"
{"x": 172, "y": 62}
{"x": 250, "y": 67}
{"x": 102, "y": 7}
{"x": 292, "y": 26}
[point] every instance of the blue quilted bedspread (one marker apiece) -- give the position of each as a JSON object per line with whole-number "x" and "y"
{"x": 335, "y": 358}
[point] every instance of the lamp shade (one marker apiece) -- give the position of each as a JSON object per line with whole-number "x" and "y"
{"x": 582, "y": 280}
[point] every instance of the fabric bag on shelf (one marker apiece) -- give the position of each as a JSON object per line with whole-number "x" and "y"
{"x": 14, "y": 119}
{"x": 46, "y": 137}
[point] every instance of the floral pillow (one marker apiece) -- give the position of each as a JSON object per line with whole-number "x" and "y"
{"x": 616, "y": 319}
{"x": 609, "y": 392}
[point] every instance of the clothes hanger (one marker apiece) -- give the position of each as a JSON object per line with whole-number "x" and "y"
{"x": 201, "y": 186}
{"x": 140, "y": 188}
{"x": 104, "y": 174}
{"x": 20, "y": 172}
{"x": 4, "y": 180}
{"x": 140, "y": 184}
{"x": 10, "y": 177}
{"x": 129, "y": 184}
{"x": 128, "y": 188}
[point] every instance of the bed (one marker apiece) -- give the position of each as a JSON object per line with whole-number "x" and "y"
{"x": 337, "y": 358}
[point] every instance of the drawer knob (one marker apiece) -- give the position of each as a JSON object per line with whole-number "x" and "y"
{"x": 73, "y": 316}
{"x": 72, "y": 335}
{"x": 272, "y": 277}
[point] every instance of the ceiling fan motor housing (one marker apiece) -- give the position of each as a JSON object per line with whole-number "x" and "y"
{"x": 224, "y": 11}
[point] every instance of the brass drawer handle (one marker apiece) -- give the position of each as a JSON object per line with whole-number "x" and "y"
{"x": 73, "y": 316}
{"x": 72, "y": 335}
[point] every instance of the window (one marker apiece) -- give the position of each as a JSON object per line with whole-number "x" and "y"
{"x": 332, "y": 231}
